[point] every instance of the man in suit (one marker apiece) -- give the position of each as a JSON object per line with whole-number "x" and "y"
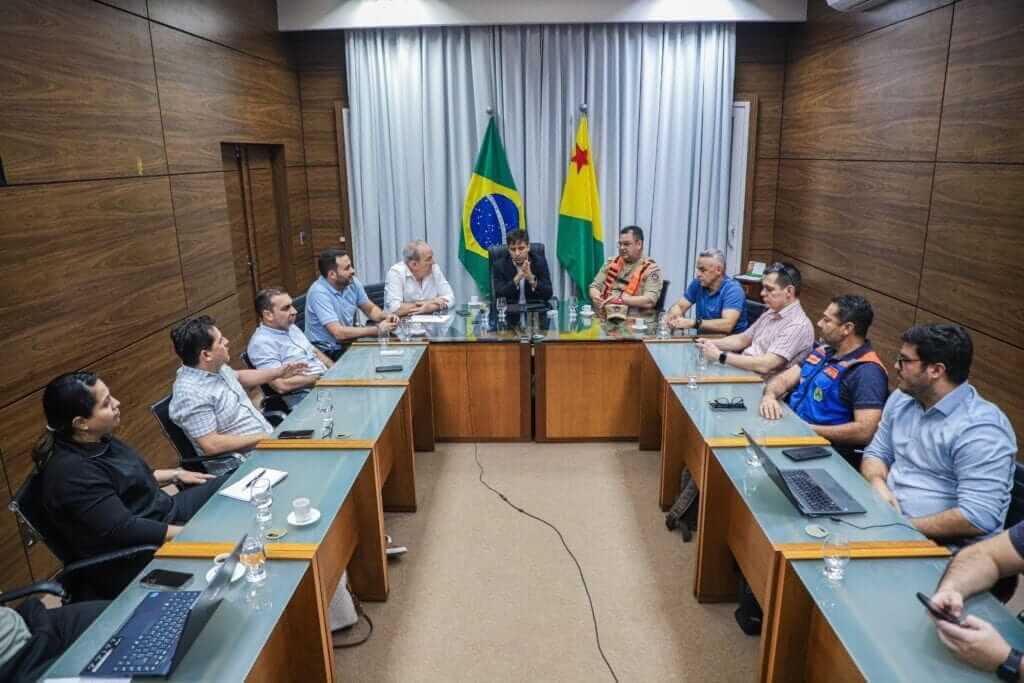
{"x": 520, "y": 276}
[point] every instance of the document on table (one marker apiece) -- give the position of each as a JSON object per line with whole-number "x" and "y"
{"x": 432, "y": 318}
{"x": 241, "y": 490}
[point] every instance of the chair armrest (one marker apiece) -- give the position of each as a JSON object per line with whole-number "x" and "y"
{"x": 51, "y": 587}
{"x": 99, "y": 560}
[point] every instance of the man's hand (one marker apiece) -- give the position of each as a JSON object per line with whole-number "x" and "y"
{"x": 887, "y": 495}
{"x": 770, "y": 408}
{"x": 194, "y": 478}
{"x": 680, "y": 323}
{"x": 976, "y": 642}
{"x": 386, "y": 325}
{"x": 292, "y": 369}
{"x": 710, "y": 351}
{"x": 949, "y": 601}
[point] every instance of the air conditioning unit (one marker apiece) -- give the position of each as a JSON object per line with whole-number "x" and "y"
{"x": 854, "y": 5}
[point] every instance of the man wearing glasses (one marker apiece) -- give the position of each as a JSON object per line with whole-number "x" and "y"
{"x": 942, "y": 455}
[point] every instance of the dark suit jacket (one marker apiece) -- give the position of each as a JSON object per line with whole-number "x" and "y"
{"x": 504, "y": 270}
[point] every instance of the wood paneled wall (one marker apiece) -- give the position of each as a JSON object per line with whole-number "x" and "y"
{"x": 902, "y": 172}
{"x": 114, "y": 225}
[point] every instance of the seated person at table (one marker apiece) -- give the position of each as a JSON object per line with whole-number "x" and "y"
{"x": 840, "y": 389}
{"x": 416, "y": 285}
{"x": 33, "y": 637}
{"x": 780, "y": 338}
{"x": 331, "y": 305}
{"x": 975, "y": 569}
{"x": 277, "y": 342}
{"x": 100, "y": 495}
{"x": 519, "y": 276}
{"x": 720, "y": 301}
{"x": 942, "y": 455}
{"x": 209, "y": 400}
{"x": 628, "y": 285}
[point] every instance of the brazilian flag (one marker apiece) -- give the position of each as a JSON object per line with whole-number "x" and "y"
{"x": 493, "y": 208}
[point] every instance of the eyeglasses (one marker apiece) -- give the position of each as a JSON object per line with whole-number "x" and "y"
{"x": 903, "y": 360}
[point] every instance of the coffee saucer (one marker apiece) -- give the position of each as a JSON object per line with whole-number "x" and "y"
{"x": 314, "y": 516}
{"x": 239, "y": 572}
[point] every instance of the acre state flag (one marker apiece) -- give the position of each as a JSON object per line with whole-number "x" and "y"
{"x": 580, "y": 237}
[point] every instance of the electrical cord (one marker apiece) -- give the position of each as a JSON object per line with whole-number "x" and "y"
{"x": 364, "y": 615}
{"x": 590, "y": 600}
{"x": 840, "y": 520}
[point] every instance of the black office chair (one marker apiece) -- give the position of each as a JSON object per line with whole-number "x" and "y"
{"x": 187, "y": 457}
{"x": 375, "y": 292}
{"x": 755, "y": 309}
{"x": 299, "y": 303}
{"x": 75, "y": 577}
{"x": 500, "y": 250}
{"x": 274, "y": 407}
{"x": 660, "y": 306}
{"x": 1005, "y": 587}
{"x": 48, "y": 587}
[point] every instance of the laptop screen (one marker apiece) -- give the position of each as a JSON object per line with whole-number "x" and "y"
{"x": 771, "y": 470}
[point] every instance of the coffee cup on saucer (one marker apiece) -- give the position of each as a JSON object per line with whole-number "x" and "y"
{"x": 302, "y": 511}
{"x": 474, "y": 300}
{"x": 639, "y": 324}
{"x": 585, "y": 309}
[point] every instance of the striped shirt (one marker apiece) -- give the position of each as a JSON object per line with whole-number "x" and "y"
{"x": 787, "y": 333}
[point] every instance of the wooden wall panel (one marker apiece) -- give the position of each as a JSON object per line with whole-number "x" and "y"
{"x": 762, "y": 221}
{"x": 77, "y": 93}
{"x": 982, "y": 110}
{"x": 892, "y": 317}
{"x": 302, "y": 234}
{"x": 133, "y": 6}
{"x": 268, "y": 248}
{"x": 860, "y": 220}
{"x": 211, "y": 94}
{"x": 324, "y": 208}
{"x": 240, "y": 249}
{"x": 825, "y": 25}
{"x": 87, "y": 268}
{"x": 975, "y": 247}
{"x": 761, "y": 43}
{"x": 249, "y": 26}
{"x": 875, "y": 97}
{"x": 319, "y": 91}
{"x": 204, "y": 237}
{"x": 14, "y": 566}
{"x": 765, "y": 81}
{"x": 997, "y": 371}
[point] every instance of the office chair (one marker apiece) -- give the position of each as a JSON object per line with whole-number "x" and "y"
{"x": 187, "y": 457}
{"x": 1005, "y": 587}
{"x": 660, "y": 306}
{"x": 274, "y": 407}
{"x": 74, "y": 578}
{"x": 755, "y": 309}
{"x": 375, "y": 292}
{"x": 299, "y": 303}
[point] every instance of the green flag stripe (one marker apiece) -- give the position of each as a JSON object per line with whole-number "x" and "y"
{"x": 579, "y": 253}
{"x": 492, "y": 162}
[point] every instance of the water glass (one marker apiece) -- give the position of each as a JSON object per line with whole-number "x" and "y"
{"x": 836, "y": 551}
{"x": 502, "y": 305}
{"x": 485, "y": 314}
{"x": 752, "y": 458}
{"x": 263, "y": 499}
{"x": 663, "y": 330}
{"x": 325, "y": 406}
{"x": 572, "y": 305}
{"x": 254, "y": 558}
{"x": 692, "y": 384}
{"x": 382, "y": 337}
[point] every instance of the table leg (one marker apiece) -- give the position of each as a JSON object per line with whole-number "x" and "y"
{"x": 399, "y": 493}
{"x": 368, "y": 571}
{"x": 716, "y": 578}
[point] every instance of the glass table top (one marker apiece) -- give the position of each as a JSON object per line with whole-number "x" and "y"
{"x": 361, "y": 360}
{"x": 680, "y": 360}
{"x": 719, "y": 423}
{"x": 359, "y": 412}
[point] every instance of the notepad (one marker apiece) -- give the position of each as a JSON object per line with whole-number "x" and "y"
{"x": 241, "y": 490}
{"x": 431, "y": 318}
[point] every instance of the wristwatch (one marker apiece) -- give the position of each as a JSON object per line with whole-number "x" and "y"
{"x": 721, "y": 357}
{"x": 697, "y": 323}
{"x": 1010, "y": 669}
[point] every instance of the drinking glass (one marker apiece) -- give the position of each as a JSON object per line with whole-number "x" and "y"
{"x": 836, "y": 551}
{"x": 663, "y": 330}
{"x": 485, "y": 314}
{"x": 692, "y": 384}
{"x": 325, "y": 406}
{"x": 254, "y": 558}
{"x": 758, "y": 435}
{"x": 502, "y": 305}
{"x": 262, "y": 498}
{"x": 382, "y": 338}
{"x": 572, "y": 305}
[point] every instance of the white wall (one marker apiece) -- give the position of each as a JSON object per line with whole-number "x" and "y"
{"x": 303, "y": 15}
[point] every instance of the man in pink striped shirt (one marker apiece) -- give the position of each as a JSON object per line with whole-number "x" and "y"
{"x": 781, "y": 337}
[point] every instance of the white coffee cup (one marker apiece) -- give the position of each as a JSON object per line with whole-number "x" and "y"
{"x": 301, "y": 509}
{"x": 586, "y": 309}
{"x": 221, "y": 559}
{"x": 640, "y": 324}
{"x": 474, "y": 300}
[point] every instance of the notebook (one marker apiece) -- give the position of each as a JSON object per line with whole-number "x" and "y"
{"x": 241, "y": 490}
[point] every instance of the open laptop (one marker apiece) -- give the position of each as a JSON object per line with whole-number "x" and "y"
{"x": 811, "y": 491}
{"x": 155, "y": 638}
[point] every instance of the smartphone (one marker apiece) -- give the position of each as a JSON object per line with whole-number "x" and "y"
{"x": 938, "y": 613}
{"x": 807, "y": 453}
{"x": 296, "y": 434}
{"x": 165, "y": 578}
{"x": 388, "y": 368}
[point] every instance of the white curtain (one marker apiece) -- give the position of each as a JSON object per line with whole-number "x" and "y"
{"x": 660, "y": 108}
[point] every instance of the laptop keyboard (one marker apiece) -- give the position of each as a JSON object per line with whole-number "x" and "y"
{"x": 812, "y": 495}
{"x": 148, "y": 652}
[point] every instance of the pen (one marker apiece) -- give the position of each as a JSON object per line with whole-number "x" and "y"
{"x": 259, "y": 473}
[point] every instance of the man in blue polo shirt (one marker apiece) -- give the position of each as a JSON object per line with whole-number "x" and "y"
{"x": 721, "y": 303}
{"x": 331, "y": 305}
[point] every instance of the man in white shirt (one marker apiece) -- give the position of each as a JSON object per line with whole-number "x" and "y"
{"x": 416, "y": 285}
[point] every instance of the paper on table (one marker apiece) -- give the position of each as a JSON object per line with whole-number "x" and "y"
{"x": 432, "y": 318}
{"x": 241, "y": 490}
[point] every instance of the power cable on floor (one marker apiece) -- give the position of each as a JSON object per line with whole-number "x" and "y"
{"x": 593, "y": 614}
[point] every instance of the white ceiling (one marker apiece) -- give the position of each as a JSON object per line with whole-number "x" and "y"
{"x": 306, "y": 15}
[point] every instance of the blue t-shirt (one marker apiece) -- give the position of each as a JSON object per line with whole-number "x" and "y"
{"x": 710, "y": 306}
{"x": 325, "y": 304}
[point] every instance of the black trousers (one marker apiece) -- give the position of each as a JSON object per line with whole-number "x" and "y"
{"x": 188, "y": 501}
{"x": 53, "y": 632}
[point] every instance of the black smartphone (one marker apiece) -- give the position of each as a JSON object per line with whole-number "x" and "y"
{"x": 296, "y": 434}
{"x": 938, "y": 613}
{"x": 806, "y": 453}
{"x": 388, "y": 368}
{"x": 165, "y": 578}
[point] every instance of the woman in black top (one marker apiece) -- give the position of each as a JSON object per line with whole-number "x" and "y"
{"x": 99, "y": 493}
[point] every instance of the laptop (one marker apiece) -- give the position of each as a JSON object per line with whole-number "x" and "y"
{"x": 155, "y": 638}
{"x": 811, "y": 491}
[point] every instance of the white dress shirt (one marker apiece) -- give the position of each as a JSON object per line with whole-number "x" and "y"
{"x": 401, "y": 286}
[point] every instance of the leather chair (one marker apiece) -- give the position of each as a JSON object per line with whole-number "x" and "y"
{"x": 274, "y": 407}
{"x": 187, "y": 457}
{"x": 299, "y": 303}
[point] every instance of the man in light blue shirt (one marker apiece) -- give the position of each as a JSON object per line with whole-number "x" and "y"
{"x": 942, "y": 455}
{"x": 720, "y": 301}
{"x": 277, "y": 341}
{"x": 331, "y": 305}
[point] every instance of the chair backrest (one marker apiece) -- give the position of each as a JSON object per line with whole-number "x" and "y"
{"x": 27, "y": 504}
{"x": 755, "y": 309}
{"x": 265, "y": 388}
{"x": 1015, "y": 513}
{"x": 660, "y": 306}
{"x": 375, "y": 292}
{"x": 162, "y": 412}
{"x": 500, "y": 250}
{"x": 274, "y": 406}
{"x": 299, "y": 303}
